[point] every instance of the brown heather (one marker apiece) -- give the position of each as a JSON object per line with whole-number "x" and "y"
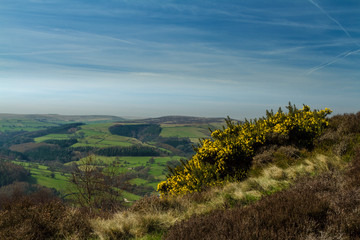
{"x": 323, "y": 203}
{"x": 40, "y": 216}
{"x": 323, "y": 207}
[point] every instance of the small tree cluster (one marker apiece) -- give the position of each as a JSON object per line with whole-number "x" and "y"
{"x": 10, "y": 172}
{"x": 230, "y": 152}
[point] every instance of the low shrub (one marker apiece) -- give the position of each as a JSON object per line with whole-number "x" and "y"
{"x": 230, "y": 152}
{"x": 341, "y": 136}
{"x": 322, "y": 207}
{"x": 41, "y": 215}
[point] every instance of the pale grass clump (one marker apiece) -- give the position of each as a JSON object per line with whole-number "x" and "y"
{"x": 274, "y": 178}
{"x": 156, "y": 215}
{"x": 315, "y": 165}
{"x": 125, "y": 225}
{"x": 274, "y": 172}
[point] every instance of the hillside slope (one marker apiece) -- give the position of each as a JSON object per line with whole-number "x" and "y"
{"x": 289, "y": 192}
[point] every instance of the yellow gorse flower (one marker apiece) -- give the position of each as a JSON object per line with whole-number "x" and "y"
{"x": 230, "y": 151}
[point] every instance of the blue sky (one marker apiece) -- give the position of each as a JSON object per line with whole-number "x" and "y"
{"x": 160, "y": 57}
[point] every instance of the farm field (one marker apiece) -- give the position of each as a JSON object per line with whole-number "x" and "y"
{"x": 41, "y": 175}
{"x": 16, "y": 125}
{"x": 193, "y": 132}
{"x": 92, "y": 135}
{"x": 45, "y": 177}
{"x": 53, "y": 137}
{"x": 98, "y": 135}
{"x": 156, "y": 167}
{"x": 63, "y": 144}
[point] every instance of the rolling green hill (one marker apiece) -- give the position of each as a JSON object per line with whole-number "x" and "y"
{"x": 34, "y": 122}
{"x": 48, "y": 145}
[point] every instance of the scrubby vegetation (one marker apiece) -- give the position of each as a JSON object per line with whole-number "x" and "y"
{"x": 10, "y": 173}
{"x": 323, "y": 207}
{"x": 230, "y": 151}
{"x": 291, "y": 175}
{"x": 36, "y": 213}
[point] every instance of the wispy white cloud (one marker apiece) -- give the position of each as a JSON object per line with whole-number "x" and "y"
{"x": 336, "y": 59}
{"x": 334, "y": 20}
{"x": 341, "y": 55}
{"x": 160, "y": 57}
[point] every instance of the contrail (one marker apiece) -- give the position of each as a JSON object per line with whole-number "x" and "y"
{"x": 337, "y": 58}
{"x": 340, "y": 56}
{"x": 334, "y": 20}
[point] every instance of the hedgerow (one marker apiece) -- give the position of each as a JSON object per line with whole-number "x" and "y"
{"x": 229, "y": 152}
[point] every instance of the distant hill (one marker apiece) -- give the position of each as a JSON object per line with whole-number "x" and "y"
{"x": 179, "y": 120}
{"x": 57, "y": 118}
{"x": 61, "y": 118}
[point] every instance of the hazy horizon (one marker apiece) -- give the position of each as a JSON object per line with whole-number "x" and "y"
{"x": 152, "y": 58}
{"x": 125, "y": 117}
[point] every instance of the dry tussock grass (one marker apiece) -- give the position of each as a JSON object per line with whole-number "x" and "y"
{"x": 322, "y": 207}
{"x": 125, "y": 225}
{"x": 325, "y": 207}
{"x": 153, "y": 214}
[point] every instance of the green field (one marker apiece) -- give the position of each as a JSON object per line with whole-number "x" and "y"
{"x": 93, "y": 135}
{"x": 193, "y": 132}
{"x": 129, "y": 196}
{"x": 14, "y": 125}
{"x": 53, "y": 137}
{"x": 146, "y": 171}
{"x": 43, "y": 176}
{"x": 59, "y": 181}
{"x": 128, "y": 164}
{"x": 138, "y": 181}
{"x": 98, "y": 135}
{"x": 143, "y": 173}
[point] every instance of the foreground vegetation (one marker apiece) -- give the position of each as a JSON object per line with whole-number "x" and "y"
{"x": 230, "y": 152}
{"x": 300, "y": 187}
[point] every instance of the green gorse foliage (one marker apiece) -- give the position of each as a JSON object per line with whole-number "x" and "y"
{"x": 228, "y": 155}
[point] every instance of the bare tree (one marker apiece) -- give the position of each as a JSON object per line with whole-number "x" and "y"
{"x": 96, "y": 186}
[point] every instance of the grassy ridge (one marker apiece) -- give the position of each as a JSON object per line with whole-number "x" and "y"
{"x": 273, "y": 171}
{"x": 321, "y": 207}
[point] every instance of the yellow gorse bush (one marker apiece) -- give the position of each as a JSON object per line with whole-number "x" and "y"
{"x": 228, "y": 154}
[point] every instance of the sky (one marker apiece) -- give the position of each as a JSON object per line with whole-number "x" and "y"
{"x": 151, "y": 58}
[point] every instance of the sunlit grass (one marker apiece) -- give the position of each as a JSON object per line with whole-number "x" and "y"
{"x": 43, "y": 176}
{"x": 271, "y": 179}
{"x": 192, "y": 132}
{"x": 52, "y": 137}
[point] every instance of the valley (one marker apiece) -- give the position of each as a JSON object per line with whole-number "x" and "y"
{"x": 49, "y": 146}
